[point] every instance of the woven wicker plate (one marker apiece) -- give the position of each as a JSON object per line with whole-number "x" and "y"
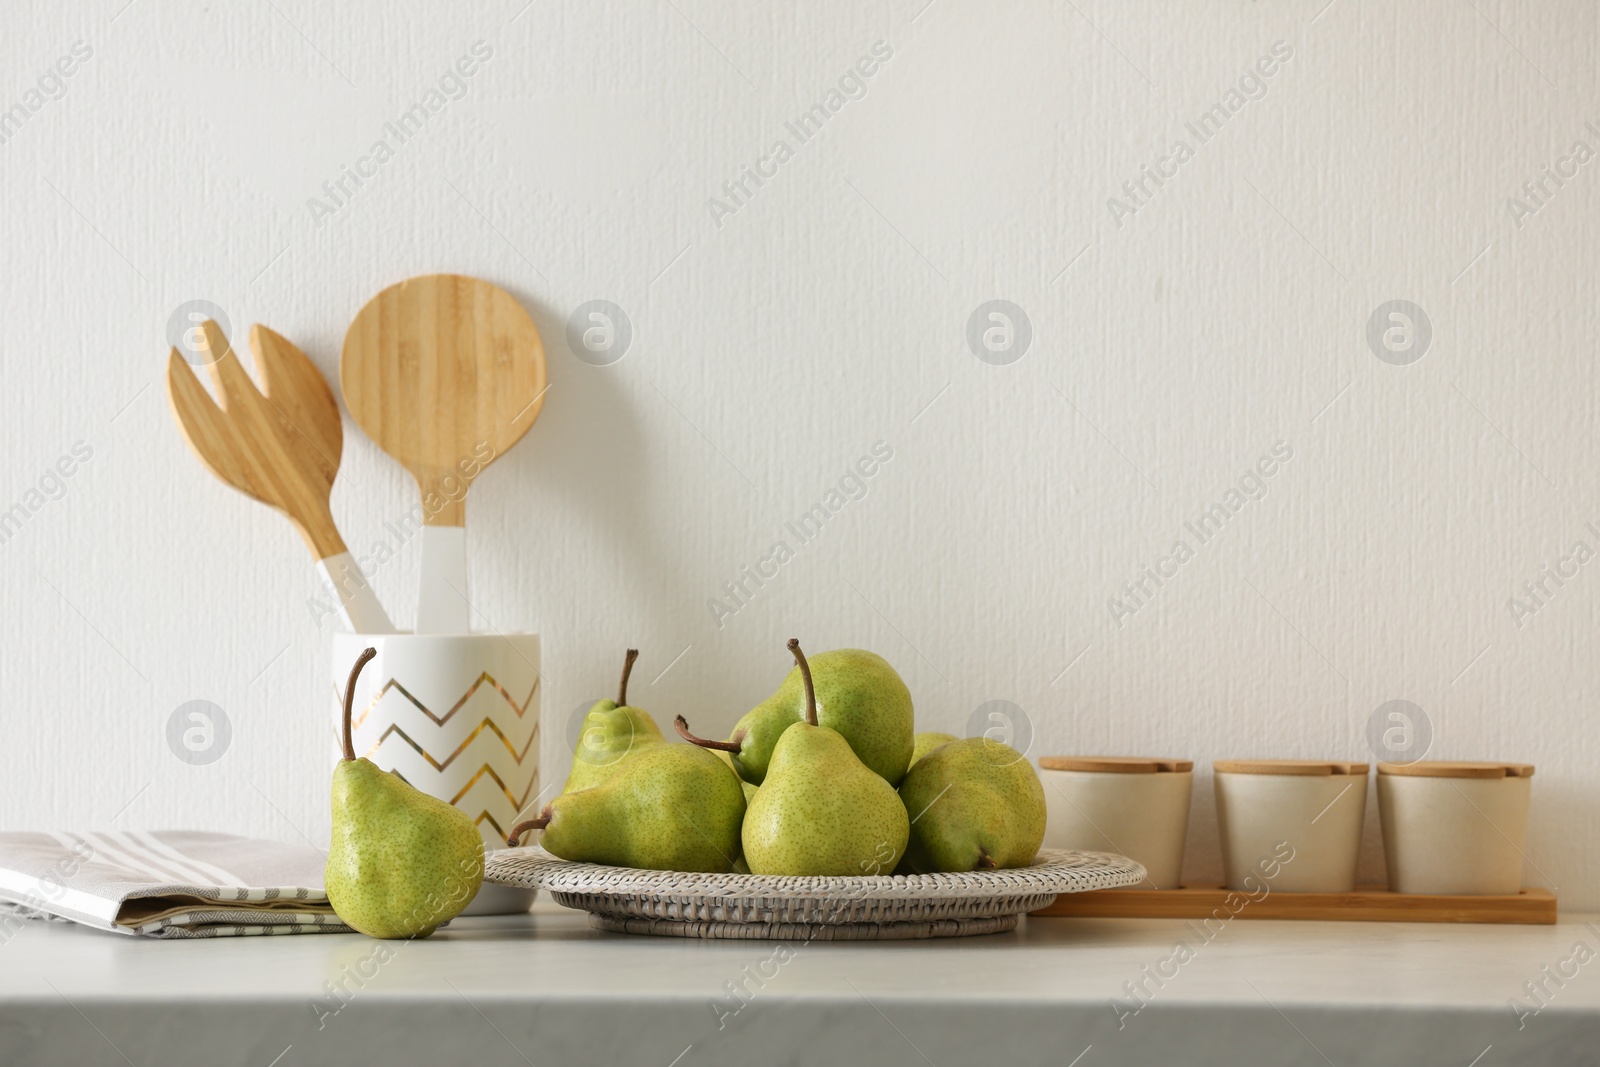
{"x": 763, "y": 907}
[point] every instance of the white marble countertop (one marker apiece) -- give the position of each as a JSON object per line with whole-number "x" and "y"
{"x": 545, "y": 989}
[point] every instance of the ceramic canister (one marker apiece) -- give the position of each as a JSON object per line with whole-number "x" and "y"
{"x": 1136, "y": 807}
{"x": 457, "y": 716}
{"x": 1293, "y": 825}
{"x": 1454, "y": 828}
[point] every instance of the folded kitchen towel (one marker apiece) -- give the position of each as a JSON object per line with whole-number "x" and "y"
{"x": 164, "y": 883}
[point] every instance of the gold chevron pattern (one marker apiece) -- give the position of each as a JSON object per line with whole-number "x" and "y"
{"x": 486, "y": 769}
{"x": 523, "y": 772}
{"x": 517, "y": 806}
{"x": 483, "y": 679}
{"x": 499, "y": 831}
{"x": 486, "y": 724}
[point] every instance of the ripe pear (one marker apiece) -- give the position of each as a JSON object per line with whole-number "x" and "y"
{"x": 858, "y": 695}
{"x": 666, "y": 808}
{"x": 975, "y": 804}
{"x": 400, "y": 862}
{"x": 749, "y": 790}
{"x": 613, "y": 730}
{"x": 926, "y": 743}
{"x": 820, "y": 809}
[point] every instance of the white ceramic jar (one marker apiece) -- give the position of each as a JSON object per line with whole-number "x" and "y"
{"x": 1454, "y": 828}
{"x": 1136, "y": 807}
{"x": 1290, "y": 825}
{"x": 457, "y": 716}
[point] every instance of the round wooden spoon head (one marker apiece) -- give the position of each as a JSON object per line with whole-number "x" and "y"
{"x": 445, "y": 373}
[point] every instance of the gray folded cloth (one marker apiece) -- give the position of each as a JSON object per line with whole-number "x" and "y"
{"x": 164, "y": 884}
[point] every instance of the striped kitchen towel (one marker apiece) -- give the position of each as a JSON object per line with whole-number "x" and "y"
{"x": 164, "y": 883}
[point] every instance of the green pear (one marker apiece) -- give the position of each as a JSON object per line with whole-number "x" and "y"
{"x": 858, "y": 695}
{"x": 666, "y": 808}
{"x": 975, "y": 803}
{"x": 400, "y": 862}
{"x": 612, "y": 731}
{"x": 820, "y": 809}
{"x": 749, "y": 790}
{"x": 926, "y": 743}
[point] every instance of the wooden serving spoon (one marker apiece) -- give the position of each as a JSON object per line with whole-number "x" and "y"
{"x": 279, "y": 445}
{"x": 445, "y": 373}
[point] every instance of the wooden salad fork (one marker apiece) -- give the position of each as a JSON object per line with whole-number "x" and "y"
{"x": 279, "y": 444}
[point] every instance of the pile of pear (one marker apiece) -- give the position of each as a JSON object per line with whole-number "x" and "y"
{"x": 825, "y": 777}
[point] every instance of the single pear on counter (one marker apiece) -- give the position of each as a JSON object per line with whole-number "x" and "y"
{"x": 975, "y": 803}
{"x": 666, "y": 808}
{"x": 612, "y": 731}
{"x": 858, "y": 695}
{"x": 820, "y": 809}
{"x": 400, "y": 862}
{"x": 926, "y": 743}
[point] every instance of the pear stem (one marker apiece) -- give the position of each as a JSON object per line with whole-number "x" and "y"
{"x": 627, "y": 669}
{"x": 682, "y": 725}
{"x": 805, "y": 674}
{"x": 514, "y": 838}
{"x": 350, "y": 699}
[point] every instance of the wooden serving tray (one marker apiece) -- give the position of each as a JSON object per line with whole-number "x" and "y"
{"x": 1365, "y": 904}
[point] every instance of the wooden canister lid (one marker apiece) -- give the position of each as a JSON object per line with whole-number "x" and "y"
{"x": 1305, "y": 768}
{"x": 1115, "y": 764}
{"x": 1445, "y": 769}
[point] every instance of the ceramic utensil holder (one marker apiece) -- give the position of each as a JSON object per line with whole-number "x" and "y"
{"x": 1454, "y": 828}
{"x": 457, "y": 716}
{"x": 1136, "y": 807}
{"x": 1265, "y": 808}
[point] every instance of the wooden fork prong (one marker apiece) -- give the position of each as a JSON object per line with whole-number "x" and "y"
{"x": 204, "y": 425}
{"x": 294, "y": 385}
{"x": 234, "y": 386}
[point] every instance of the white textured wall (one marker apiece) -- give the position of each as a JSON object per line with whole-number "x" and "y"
{"x": 828, "y": 313}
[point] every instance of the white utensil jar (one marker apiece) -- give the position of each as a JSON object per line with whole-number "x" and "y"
{"x": 457, "y": 716}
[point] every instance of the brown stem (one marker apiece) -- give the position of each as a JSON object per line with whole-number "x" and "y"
{"x": 722, "y": 746}
{"x": 985, "y": 861}
{"x": 514, "y": 838}
{"x": 627, "y": 669}
{"x": 350, "y": 699}
{"x": 805, "y": 674}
